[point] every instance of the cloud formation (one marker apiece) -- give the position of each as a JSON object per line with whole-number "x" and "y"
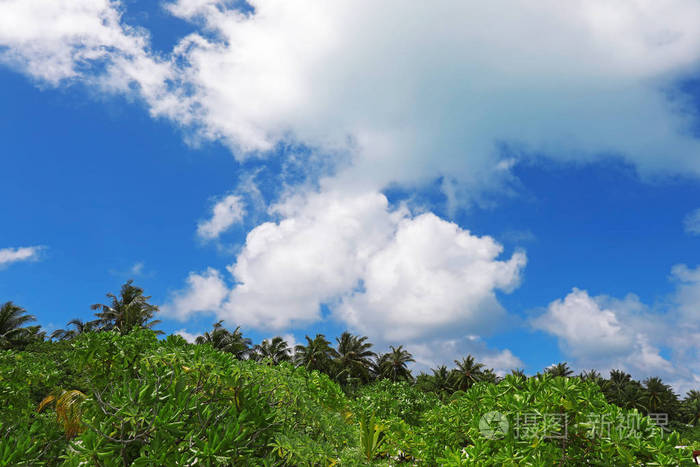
{"x": 14, "y": 255}
{"x": 407, "y": 92}
{"x": 225, "y": 213}
{"x": 401, "y": 93}
{"x": 607, "y": 333}
{"x": 388, "y": 273}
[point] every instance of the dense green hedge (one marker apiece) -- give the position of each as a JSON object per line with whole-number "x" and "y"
{"x": 110, "y": 399}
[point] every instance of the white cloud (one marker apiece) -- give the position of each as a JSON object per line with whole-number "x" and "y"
{"x": 431, "y": 277}
{"x": 424, "y": 90}
{"x": 13, "y": 255}
{"x": 606, "y": 333}
{"x": 405, "y": 92}
{"x": 692, "y": 222}
{"x": 189, "y": 337}
{"x": 204, "y": 293}
{"x": 385, "y": 272}
{"x": 225, "y": 213}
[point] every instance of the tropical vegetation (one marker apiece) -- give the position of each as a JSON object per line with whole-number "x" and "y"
{"x": 112, "y": 391}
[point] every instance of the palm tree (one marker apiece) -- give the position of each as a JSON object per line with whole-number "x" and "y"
{"x": 633, "y": 396}
{"x": 691, "y": 407}
{"x": 619, "y": 377}
{"x": 467, "y": 373}
{"x": 81, "y": 327}
{"x": 354, "y": 358}
{"x": 317, "y": 354}
{"x": 661, "y": 398}
{"x": 560, "y": 369}
{"x": 442, "y": 381}
{"x": 518, "y": 373}
{"x": 276, "y": 350}
{"x": 590, "y": 375}
{"x": 614, "y": 387}
{"x": 394, "y": 365}
{"x": 131, "y": 309}
{"x": 692, "y": 395}
{"x": 222, "y": 339}
{"x": 490, "y": 376}
{"x": 13, "y": 333}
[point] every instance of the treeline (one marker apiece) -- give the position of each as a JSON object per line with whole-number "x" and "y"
{"x": 350, "y": 362}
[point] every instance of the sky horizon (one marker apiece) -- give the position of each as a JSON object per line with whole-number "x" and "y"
{"x": 518, "y": 182}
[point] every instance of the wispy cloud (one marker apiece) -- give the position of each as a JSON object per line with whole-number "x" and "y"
{"x": 15, "y": 255}
{"x": 692, "y": 222}
{"x": 224, "y": 214}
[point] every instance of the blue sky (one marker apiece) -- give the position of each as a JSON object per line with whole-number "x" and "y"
{"x": 523, "y": 203}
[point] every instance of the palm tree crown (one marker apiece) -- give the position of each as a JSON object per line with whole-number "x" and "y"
{"x": 276, "y": 350}
{"x": 80, "y": 327}
{"x": 131, "y": 309}
{"x": 560, "y": 369}
{"x": 354, "y": 358}
{"x": 467, "y": 373}
{"x": 317, "y": 354}
{"x": 12, "y": 329}
{"x": 394, "y": 365}
{"x": 222, "y": 339}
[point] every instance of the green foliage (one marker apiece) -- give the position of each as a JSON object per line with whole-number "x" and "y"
{"x": 372, "y": 436}
{"x": 112, "y": 398}
{"x": 550, "y": 420}
{"x": 389, "y": 400}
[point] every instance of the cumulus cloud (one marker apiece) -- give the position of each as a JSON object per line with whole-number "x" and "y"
{"x": 204, "y": 293}
{"x": 14, "y": 255}
{"x": 692, "y": 222}
{"x": 225, "y": 213}
{"x": 385, "y": 272}
{"x": 418, "y": 91}
{"x": 431, "y": 277}
{"x": 607, "y": 333}
{"x": 405, "y": 92}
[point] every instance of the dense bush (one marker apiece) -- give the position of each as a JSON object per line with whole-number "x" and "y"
{"x": 103, "y": 398}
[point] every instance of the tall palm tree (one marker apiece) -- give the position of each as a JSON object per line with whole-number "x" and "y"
{"x": 13, "y": 333}
{"x": 490, "y": 376}
{"x": 442, "y": 381}
{"x": 590, "y": 375}
{"x": 131, "y": 309}
{"x": 633, "y": 396}
{"x": 317, "y": 354}
{"x": 692, "y": 395}
{"x": 560, "y": 369}
{"x": 394, "y": 365}
{"x": 660, "y": 396}
{"x": 619, "y": 377}
{"x": 222, "y": 339}
{"x": 354, "y": 358}
{"x": 80, "y": 326}
{"x": 691, "y": 407}
{"x": 276, "y": 350}
{"x": 467, "y": 373}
